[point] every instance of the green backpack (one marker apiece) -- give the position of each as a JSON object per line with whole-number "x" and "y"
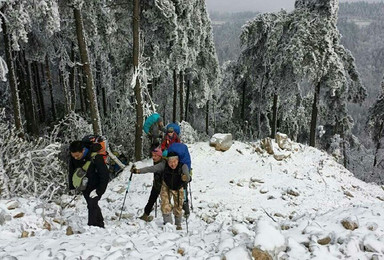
{"x": 78, "y": 179}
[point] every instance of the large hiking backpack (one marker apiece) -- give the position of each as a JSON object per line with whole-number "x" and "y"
{"x": 150, "y": 121}
{"x": 97, "y": 144}
{"x": 182, "y": 151}
{"x": 175, "y": 127}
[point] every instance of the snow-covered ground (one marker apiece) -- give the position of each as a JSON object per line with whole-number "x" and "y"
{"x": 242, "y": 200}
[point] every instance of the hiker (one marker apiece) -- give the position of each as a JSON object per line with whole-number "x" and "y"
{"x": 156, "y": 187}
{"x": 185, "y": 158}
{"x": 96, "y": 175}
{"x": 175, "y": 174}
{"x": 170, "y": 138}
{"x": 154, "y": 127}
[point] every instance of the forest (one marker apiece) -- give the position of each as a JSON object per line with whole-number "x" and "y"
{"x": 70, "y": 68}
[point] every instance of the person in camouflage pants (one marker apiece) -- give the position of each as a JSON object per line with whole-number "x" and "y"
{"x": 175, "y": 175}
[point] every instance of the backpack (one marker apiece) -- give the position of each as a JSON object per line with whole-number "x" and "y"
{"x": 98, "y": 144}
{"x": 175, "y": 127}
{"x": 150, "y": 121}
{"x": 79, "y": 180}
{"x": 182, "y": 151}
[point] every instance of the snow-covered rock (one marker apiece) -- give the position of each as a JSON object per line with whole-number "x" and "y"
{"x": 283, "y": 141}
{"x": 269, "y": 238}
{"x": 221, "y": 142}
{"x": 238, "y": 253}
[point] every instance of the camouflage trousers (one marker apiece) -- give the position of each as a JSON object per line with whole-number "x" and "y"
{"x": 166, "y": 195}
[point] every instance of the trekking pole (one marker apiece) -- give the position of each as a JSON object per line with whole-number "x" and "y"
{"x": 186, "y": 222}
{"x": 74, "y": 197}
{"x": 126, "y": 191}
{"x": 190, "y": 195}
{"x": 156, "y": 209}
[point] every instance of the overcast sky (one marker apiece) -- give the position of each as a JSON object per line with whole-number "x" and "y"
{"x": 255, "y": 5}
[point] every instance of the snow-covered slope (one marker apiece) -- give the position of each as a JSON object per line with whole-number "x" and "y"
{"x": 242, "y": 200}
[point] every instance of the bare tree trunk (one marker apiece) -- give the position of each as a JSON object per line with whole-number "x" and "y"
{"x": 90, "y": 88}
{"x": 26, "y": 95}
{"x": 274, "y": 115}
{"x": 12, "y": 78}
{"x": 49, "y": 82}
{"x": 378, "y": 145}
{"x": 150, "y": 87}
{"x": 174, "y": 95}
{"x": 181, "y": 96}
{"x": 81, "y": 92}
{"x": 138, "y": 94}
{"x": 67, "y": 94}
{"x": 72, "y": 79}
{"x": 104, "y": 97}
{"x": 315, "y": 107}
{"x": 187, "y": 99}
{"x": 207, "y": 118}
{"x": 38, "y": 91}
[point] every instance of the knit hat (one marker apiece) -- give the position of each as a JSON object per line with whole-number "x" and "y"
{"x": 157, "y": 151}
{"x": 172, "y": 155}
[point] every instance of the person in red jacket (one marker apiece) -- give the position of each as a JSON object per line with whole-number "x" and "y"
{"x": 170, "y": 138}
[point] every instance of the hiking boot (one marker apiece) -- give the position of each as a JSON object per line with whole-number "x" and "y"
{"x": 146, "y": 218}
{"x": 167, "y": 218}
{"x": 178, "y": 227}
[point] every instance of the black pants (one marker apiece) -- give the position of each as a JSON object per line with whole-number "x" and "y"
{"x": 95, "y": 218}
{"x": 155, "y": 192}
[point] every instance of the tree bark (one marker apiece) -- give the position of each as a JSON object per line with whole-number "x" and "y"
{"x": 181, "y": 95}
{"x": 38, "y": 92}
{"x": 32, "y": 104}
{"x": 72, "y": 79}
{"x": 138, "y": 94}
{"x": 90, "y": 87}
{"x": 187, "y": 99}
{"x": 315, "y": 107}
{"x": 274, "y": 115}
{"x": 49, "y": 82}
{"x": 26, "y": 94}
{"x": 174, "y": 95}
{"x": 150, "y": 87}
{"x": 207, "y": 118}
{"x": 67, "y": 94}
{"x": 82, "y": 98}
{"x": 12, "y": 78}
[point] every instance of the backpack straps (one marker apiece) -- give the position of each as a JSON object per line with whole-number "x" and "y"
{"x": 87, "y": 163}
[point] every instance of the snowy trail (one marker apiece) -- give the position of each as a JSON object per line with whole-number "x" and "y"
{"x": 308, "y": 195}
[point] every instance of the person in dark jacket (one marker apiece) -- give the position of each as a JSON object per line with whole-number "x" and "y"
{"x": 175, "y": 174}
{"x": 156, "y": 187}
{"x": 156, "y": 133}
{"x": 97, "y": 174}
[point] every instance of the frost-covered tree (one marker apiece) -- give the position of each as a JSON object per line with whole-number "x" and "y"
{"x": 302, "y": 48}
{"x": 376, "y": 128}
{"x": 21, "y": 22}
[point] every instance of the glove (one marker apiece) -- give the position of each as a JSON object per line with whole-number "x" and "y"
{"x": 135, "y": 170}
{"x": 93, "y": 194}
{"x": 184, "y": 177}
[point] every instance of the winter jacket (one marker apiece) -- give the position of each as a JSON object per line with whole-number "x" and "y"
{"x": 172, "y": 178}
{"x": 155, "y": 131}
{"x": 97, "y": 173}
{"x": 168, "y": 140}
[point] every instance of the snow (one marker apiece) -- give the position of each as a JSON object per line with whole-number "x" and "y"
{"x": 240, "y": 201}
